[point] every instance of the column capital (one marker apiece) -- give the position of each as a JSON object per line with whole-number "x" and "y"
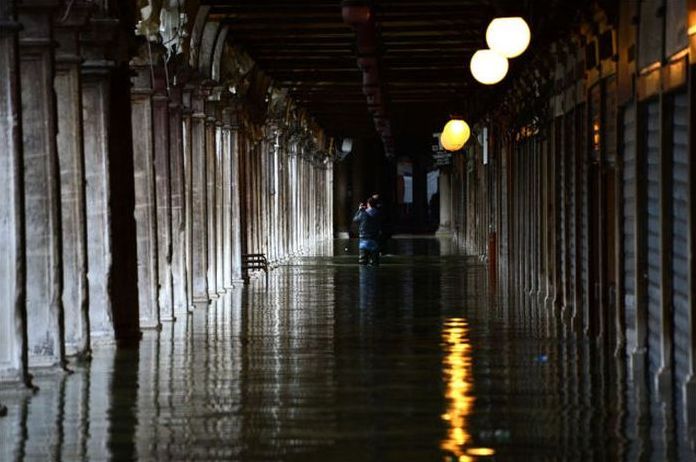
{"x": 9, "y": 26}
{"x": 230, "y": 117}
{"x": 36, "y": 18}
{"x": 74, "y": 14}
{"x": 68, "y": 21}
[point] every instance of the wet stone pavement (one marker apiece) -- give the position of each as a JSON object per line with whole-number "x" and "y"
{"x": 410, "y": 361}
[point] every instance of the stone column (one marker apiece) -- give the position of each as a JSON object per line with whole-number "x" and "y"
{"x": 178, "y": 205}
{"x": 96, "y": 88}
{"x": 13, "y": 329}
{"x": 330, "y": 201}
{"x": 445, "y": 189}
{"x": 68, "y": 88}
{"x": 145, "y": 202}
{"x": 187, "y": 145}
{"x": 41, "y": 188}
{"x": 163, "y": 197}
{"x": 235, "y": 224}
{"x": 199, "y": 202}
{"x": 227, "y": 200}
{"x": 219, "y": 214}
{"x": 211, "y": 231}
{"x": 282, "y": 210}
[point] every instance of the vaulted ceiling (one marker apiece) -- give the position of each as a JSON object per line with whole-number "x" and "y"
{"x": 425, "y": 47}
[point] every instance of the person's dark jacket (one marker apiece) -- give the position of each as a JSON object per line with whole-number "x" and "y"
{"x": 369, "y": 223}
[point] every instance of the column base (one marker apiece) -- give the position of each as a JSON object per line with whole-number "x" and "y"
{"x": 444, "y": 231}
{"x": 149, "y": 325}
{"x": 690, "y": 401}
{"x": 663, "y": 382}
{"x": 637, "y": 364}
{"x": 201, "y": 304}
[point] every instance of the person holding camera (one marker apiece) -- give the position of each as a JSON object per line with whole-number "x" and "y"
{"x": 369, "y": 231}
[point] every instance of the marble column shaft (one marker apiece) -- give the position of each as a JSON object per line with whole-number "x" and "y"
{"x": 227, "y": 201}
{"x": 210, "y": 155}
{"x": 41, "y": 188}
{"x": 13, "y": 330}
{"x": 219, "y": 208}
{"x": 187, "y": 146}
{"x": 68, "y": 88}
{"x": 145, "y": 202}
{"x": 199, "y": 199}
{"x": 163, "y": 200}
{"x": 236, "y": 224}
{"x": 178, "y": 206}
{"x": 96, "y": 109}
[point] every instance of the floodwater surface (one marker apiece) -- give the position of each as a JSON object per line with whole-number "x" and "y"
{"x": 410, "y": 361}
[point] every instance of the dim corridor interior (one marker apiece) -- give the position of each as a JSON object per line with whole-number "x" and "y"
{"x": 412, "y": 360}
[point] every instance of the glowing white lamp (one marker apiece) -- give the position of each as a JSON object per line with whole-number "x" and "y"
{"x": 508, "y": 37}
{"x": 455, "y": 135}
{"x": 488, "y": 67}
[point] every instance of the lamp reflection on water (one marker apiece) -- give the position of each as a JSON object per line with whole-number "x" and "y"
{"x": 458, "y": 377}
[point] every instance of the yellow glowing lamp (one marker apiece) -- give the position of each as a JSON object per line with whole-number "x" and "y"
{"x": 455, "y": 135}
{"x": 488, "y": 67}
{"x": 508, "y": 37}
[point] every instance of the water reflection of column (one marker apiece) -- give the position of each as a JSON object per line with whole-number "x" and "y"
{"x": 148, "y": 390}
{"x": 236, "y": 345}
{"x": 164, "y": 401}
{"x": 13, "y": 428}
{"x": 75, "y": 416}
{"x": 45, "y": 419}
{"x": 115, "y": 420}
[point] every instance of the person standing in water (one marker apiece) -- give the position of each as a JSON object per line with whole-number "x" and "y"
{"x": 369, "y": 230}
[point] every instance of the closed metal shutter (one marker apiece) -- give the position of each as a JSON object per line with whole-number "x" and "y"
{"x": 560, "y": 173}
{"x": 629, "y": 223}
{"x": 571, "y": 144}
{"x": 583, "y": 232}
{"x": 680, "y": 284}
{"x": 652, "y": 209}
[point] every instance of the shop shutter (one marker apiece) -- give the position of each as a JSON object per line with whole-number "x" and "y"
{"x": 560, "y": 173}
{"x": 583, "y": 232}
{"x": 629, "y": 223}
{"x": 571, "y": 209}
{"x": 652, "y": 215}
{"x": 680, "y": 281}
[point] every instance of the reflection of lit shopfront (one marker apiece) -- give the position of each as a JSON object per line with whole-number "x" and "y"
{"x": 458, "y": 379}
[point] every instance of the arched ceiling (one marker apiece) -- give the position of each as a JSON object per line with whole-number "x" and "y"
{"x": 425, "y": 48}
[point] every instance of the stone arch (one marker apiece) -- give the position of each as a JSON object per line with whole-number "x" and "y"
{"x": 215, "y": 73}
{"x": 207, "y": 47}
{"x": 196, "y": 35}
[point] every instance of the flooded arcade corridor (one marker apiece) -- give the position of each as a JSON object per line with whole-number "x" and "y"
{"x": 198, "y": 208}
{"x": 408, "y": 361}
